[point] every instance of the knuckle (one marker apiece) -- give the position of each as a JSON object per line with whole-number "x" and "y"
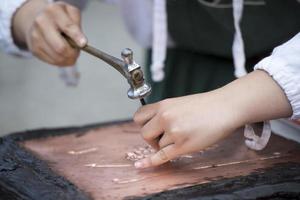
{"x": 164, "y": 102}
{"x": 70, "y": 62}
{"x": 60, "y": 3}
{"x": 163, "y": 105}
{"x": 73, "y": 9}
{"x": 61, "y": 49}
{"x": 71, "y": 28}
{"x": 165, "y": 116}
{"x": 176, "y": 131}
{"x": 137, "y": 119}
{"x": 145, "y": 135}
{"x": 34, "y": 36}
{"x": 160, "y": 143}
{"x": 52, "y": 8}
{"x": 39, "y": 21}
{"x": 162, "y": 155}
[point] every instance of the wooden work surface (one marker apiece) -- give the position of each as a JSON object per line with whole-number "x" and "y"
{"x": 94, "y": 160}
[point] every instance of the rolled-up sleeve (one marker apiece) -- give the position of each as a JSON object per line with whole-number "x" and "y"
{"x": 7, "y": 10}
{"x": 283, "y": 65}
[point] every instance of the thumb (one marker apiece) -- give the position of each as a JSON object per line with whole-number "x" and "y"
{"x": 160, "y": 157}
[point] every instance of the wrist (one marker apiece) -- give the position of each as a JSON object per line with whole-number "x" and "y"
{"x": 256, "y": 97}
{"x": 23, "y": 19}
{"x": 233, "y": 116}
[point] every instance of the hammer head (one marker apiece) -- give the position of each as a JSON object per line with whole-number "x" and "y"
{"x": 138, "y": 86}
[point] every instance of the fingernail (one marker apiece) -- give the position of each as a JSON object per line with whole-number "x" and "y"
{"x": 82, "y": 41}
{"x": 138, "y": 164}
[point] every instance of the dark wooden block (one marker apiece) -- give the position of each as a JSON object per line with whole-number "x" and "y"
{"x": 89, "y": 163}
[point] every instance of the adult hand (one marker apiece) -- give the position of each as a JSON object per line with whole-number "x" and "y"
{"x": 184, "y": 125}
{"x": 38, "y": 26}
{"x": 192, "y": 123}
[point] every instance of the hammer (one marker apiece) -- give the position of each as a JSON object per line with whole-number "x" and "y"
{"x": 127, "y": 67}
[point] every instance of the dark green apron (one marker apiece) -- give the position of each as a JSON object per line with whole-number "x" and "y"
{"x": 202, "y": 59}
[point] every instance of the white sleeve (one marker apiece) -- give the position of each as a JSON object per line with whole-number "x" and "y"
{"x": 7, "y": 10}
{"x": 283, "y": 65}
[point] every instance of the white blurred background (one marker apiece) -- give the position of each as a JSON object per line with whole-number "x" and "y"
{"x": 33, "y": 96}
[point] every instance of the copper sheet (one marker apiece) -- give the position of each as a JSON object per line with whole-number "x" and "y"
{"x": 95, "y": 161}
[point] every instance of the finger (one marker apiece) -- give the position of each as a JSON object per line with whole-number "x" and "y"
{"x": 46, "y": 54}
{"x": 43, "y": 44}
{"x": 164, "y": 141}
{"x": 160, "y": 157}
{"x": 54, "y": 39}
{"x": 74, "y": 14}
{"x": 151, "y": 131}
{"x": 42, "y": 55}
{"x": 145, "y": 113}
{"x": 70, "y": 27}
{"x": 63, "y": 53}
{"x": 36, "y": 46}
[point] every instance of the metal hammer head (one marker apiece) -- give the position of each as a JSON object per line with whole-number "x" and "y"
{"x": 138, "y": 87}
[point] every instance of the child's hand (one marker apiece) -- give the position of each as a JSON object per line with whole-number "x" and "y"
{"x": 38, "y": 25}
{"x": 192, "y": 123}
{"x": 184, "y": 125}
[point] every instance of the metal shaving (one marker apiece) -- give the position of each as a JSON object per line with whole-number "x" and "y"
{"x": 139, "y": 153}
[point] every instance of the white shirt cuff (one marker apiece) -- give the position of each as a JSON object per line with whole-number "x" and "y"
{"x": 287, "y": 78}
{"x": 7, "y": 10}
